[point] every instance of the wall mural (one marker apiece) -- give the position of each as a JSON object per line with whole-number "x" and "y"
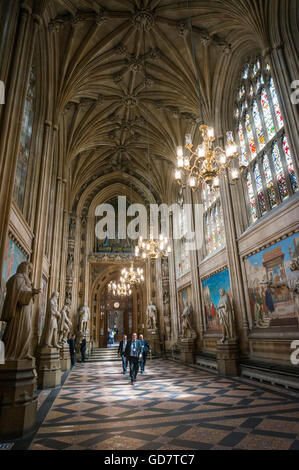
{"x": 13, "y": 256}
{"x": 273, "y": 287}
{"x": 111, "y": 245}
{"x": 211, "y": 296}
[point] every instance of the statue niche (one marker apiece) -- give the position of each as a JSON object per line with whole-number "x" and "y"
{"x": 64, "y": 323}
{"x": 84, "y": 315}
{"x": 151, "y": 319}
{"x": 226, "y": 317}
{"x": 17, "y": 313}
{"x": 51, "y": 326}
{"x": 187, "y": 330}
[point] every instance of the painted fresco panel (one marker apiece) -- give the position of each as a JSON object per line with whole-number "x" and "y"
{"x": 273, "y": 287}
{"x": 211, "y": 287}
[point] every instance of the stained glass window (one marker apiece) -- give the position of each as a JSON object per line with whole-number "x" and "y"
{"x": 214, "y": 225}
{"x": 289, "y": 161}
{"x": 267, "y": 114}
{"x": 251, "y": 197}
{"x": 258, "y": 125}
{"x": 25, "y": 143}
{"x": 259, "y": 188}
{"x": 242, "y": 143}
{"x": 280, "y": 176}
{"x": 250, "y": 135}
{"x": 264, "y": 147}
{"x": 276, "y": 104}
{"x": 269, "y": 181}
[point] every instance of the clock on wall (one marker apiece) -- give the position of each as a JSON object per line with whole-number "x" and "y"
{"x": 116, "y": 305}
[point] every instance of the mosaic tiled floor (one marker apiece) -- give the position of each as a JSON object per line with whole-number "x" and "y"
{"x": 171, "y": 407}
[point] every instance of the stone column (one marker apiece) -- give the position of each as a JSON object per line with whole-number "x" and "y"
{"x": 18, "y": 398}
{"x": 192, "y": 198}
{"x": 57, "y": 236}
{"x": 234, "y": 263}
{"x": 228, "y": 358}
{"x": 49, "y": 368}
{"x": 12, "y": 114}
{"x": 172, "y": 288}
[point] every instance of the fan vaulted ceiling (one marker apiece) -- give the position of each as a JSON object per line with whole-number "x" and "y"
{"x": 127, "y": 74}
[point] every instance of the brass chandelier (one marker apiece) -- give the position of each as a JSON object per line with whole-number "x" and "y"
{"x": 131, "y": 276}
{"x": 152, "y": 248}
{"x": 208, "y": 162}
{"x": 120, "y": 289}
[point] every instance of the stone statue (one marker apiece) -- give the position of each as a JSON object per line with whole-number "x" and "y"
{"x": 70, "y": 265}
{"x": 166, "y": 302}
{"x": 51, "y": 327}
{"x": 151, "y": 313}
{"x": 186, "y": 325}
{"x": 226, "y": 316}
{"x": 17, "y": 313}
{"x": 65, "y": 323}
{"x": 84, "y": 314}
{"x": 72, "y": 227}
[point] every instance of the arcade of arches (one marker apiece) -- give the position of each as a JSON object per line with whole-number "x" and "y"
{"x": 98, "y": 96}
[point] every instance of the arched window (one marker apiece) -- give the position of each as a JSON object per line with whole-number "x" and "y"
{"x": 264, "y": 149}
{"x": 25, "y": 144}
{"x": 213, "y": 218}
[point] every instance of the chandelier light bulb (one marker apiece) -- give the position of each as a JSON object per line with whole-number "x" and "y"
{"x": 192, "y": 182}
{"x": 186, "y": 162}
{"x": 235, "y": 174}
{"x": 216, "y": 183}
{"x": 178, "y": 175}
{"x": 180, "y": 162}
{"x": 179, "y": 151}
{"x": 211, "y": 133}
{"x": 201, "y": 151}
{"x": 222, "y": 159}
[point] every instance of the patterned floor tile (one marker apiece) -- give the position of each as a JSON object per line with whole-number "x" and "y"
{"x": 172, "y": 407}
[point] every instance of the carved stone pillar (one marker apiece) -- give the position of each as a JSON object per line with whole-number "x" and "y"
{"x": 195, "y": 281}
{"x": 234, "y": 263}
{"x": 172, "y": 288}
{"x": 18, "y": 398}
{"x": 49, "y": 369}
{"x": 187, "y": 347}
{"x": 12, "y": 114}
{"x": 228, "y": 358}
{"x": 57, "y": 237}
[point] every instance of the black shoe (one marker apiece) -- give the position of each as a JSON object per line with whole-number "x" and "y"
{"x": 132, "y": 382}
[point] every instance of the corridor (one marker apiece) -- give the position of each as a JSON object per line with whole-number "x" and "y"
{"x": 172, "y": 407}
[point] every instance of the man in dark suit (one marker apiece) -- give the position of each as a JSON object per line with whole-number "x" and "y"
{"x": 121, "y": 352}
{"x": 83, "y": 349}
{"x": 133, "y": 353}
{"x": 145, "y": 350}
{"x": 72, "y": 345}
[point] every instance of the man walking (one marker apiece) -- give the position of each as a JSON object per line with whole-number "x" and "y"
{"x": 133, "y": 353}
{"x": 83, "y": 349}
{"x": 145, "y": 350}
{"x": 72, "y": 345}
{"x": 121, "y": 352}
